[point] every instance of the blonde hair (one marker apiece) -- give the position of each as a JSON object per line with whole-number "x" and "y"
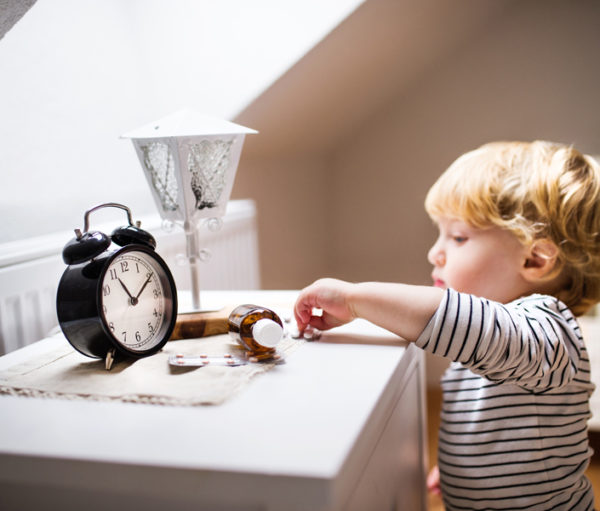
{"x": 537, "y": 190}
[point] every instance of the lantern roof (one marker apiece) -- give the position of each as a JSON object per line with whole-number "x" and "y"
{"x": 185, "y": 123}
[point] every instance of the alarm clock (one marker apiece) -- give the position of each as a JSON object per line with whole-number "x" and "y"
{"x": 121, "y": 301}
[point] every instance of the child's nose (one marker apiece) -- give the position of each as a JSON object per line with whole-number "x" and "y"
{"x": 436, "y": 256}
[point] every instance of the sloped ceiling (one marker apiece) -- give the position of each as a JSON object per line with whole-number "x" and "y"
{"x": 368, "y": 59}
{"x": 12, "y": 11}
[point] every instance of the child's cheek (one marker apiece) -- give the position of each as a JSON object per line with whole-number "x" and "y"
{"x": 462, "y": 278}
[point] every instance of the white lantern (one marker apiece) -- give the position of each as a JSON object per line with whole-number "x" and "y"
{"x": 190, "y": 161}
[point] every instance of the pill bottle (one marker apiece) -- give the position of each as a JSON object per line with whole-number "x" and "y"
{"x": 257, "y": 329}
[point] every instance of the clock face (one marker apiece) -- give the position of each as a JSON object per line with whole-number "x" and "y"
{"x": 136, "y": 301}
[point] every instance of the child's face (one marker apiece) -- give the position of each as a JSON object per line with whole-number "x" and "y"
{"x": 483, "y": 262}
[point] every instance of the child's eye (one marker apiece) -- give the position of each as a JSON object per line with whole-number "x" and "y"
{"x": 459, "y": 239}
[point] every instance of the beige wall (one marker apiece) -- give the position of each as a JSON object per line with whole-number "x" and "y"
{"x": 290, "y": 209}
{"x": 355, "y": 210}
{"x": 535, "y": 74}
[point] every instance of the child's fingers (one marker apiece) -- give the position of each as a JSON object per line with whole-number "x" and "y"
{"x": 302, "y": 313}
{"x": 324, "y": 321}
{"x": 321, "y": 295}
{"x": 314, "y": 321}
{"x": 306, "y": 301}
{"x": 318, "y": 323}
{"x": 433, "y": 481}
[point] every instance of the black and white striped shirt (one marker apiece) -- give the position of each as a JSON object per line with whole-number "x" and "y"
{"x": 513, "y": 431}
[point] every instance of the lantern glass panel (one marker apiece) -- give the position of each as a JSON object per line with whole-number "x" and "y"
{"x": 209, "y": 162}
{"x": 159, "y": 164}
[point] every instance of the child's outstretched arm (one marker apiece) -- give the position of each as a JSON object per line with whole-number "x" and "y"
{"x": 400, "y": 308}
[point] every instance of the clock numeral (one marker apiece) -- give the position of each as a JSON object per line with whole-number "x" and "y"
{"x": 113, "y": 274}
{"x": 138, "y": 336}
{"x": 156, "y": 293}
{"x": 150, "y": 328}
{"x": 111, "y": 325}
{"x": 137, "y": 267}
{"x": 124, "y": 334}
{"x": 106, "y": 290}
{"x": 155, "y": 313}
{"x": 124, "y": 266}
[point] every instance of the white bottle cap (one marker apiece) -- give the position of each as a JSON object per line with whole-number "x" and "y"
{"x": 267, "y": 332}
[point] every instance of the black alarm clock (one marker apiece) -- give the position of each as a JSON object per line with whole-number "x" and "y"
{"x": 121, "y": 301}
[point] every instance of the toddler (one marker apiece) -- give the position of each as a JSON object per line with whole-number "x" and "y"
{"x": 517, "y": 258}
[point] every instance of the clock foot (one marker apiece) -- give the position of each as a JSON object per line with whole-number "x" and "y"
{"x": 110, "y": 358}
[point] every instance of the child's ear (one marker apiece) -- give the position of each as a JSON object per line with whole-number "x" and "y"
{"x": 540, "y": 260}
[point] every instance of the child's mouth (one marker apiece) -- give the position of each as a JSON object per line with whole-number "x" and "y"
{"x": 439, "y": 283}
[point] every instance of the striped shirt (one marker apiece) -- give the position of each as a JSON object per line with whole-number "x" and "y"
{"x": 513, "y": 431}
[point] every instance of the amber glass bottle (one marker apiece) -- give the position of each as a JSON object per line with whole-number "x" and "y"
{"x": 257, "y": 329}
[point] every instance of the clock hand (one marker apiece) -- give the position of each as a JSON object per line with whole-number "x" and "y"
{"x": 143, "y": 286}
{"x": 131, "y": 298}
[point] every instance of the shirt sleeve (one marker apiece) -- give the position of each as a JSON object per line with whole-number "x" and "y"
{"x": 534, "y": 342}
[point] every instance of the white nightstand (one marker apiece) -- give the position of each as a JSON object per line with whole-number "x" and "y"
{"x": 339, "y": 426}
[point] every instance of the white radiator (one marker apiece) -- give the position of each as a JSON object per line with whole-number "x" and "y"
{"x": 30, "y": 270}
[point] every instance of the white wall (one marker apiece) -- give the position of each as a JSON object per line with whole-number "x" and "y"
{"x": 75, "y": 74}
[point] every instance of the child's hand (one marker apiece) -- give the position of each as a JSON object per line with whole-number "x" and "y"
{"x": 433, "y": 481}
{"x": 329, "y": 295}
